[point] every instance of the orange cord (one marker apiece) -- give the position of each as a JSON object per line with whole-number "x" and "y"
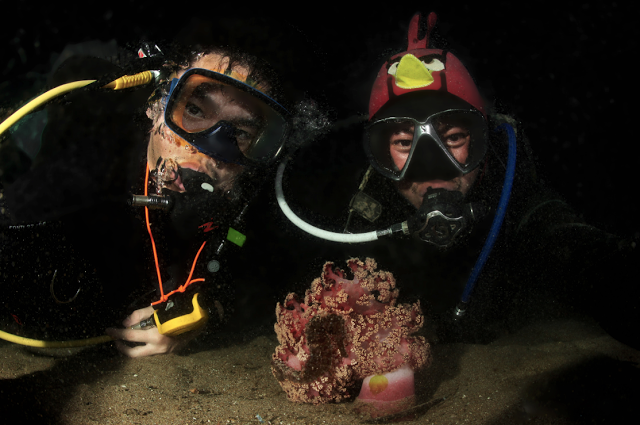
{"x": 163, "y": 297}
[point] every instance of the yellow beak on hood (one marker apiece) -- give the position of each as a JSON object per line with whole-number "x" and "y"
{"x": 412, "y": 73}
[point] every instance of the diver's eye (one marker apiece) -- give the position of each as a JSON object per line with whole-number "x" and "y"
{"x": 242, "y": 135}
{"x": 401, "y": 135}
{"x": 402, "y": 142}
{"x": 193, "y": 110}
{"x": 456, "y": 139}
{"x": 244, "y": 138}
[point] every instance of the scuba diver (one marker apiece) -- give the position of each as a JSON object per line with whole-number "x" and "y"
{"x": 78, "y": 254}
{"x": 447, "y": 199}
{"x": 212, "y": 134}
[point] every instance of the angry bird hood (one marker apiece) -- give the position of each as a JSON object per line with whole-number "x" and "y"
{"x": 420, "y": 68}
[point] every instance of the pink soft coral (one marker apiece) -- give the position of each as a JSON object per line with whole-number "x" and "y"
{"x": 344, "y": 331}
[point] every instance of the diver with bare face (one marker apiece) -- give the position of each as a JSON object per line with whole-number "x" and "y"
{"x": 215, "y": 129}
{"x": 211, "y": 132}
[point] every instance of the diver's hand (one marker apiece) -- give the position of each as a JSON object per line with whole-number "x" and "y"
{"x": 154, "y": 342}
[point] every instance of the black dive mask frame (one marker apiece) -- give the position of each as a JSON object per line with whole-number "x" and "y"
{"x": 429, "y": 158}
{"x": 219, "y": 141}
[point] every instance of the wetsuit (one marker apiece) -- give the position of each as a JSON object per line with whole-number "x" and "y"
{"x": 75, "y": 258}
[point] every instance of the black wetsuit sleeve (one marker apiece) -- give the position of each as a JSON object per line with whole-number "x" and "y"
{"x": 67, "y": 218}
{"x": 583, "y": 266}
{"x": 553, "y": 257}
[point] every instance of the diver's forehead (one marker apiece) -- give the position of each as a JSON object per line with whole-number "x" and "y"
{"x": 214, "y": 62}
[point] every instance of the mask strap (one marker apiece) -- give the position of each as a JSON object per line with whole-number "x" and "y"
{"x": 172, "y": 86}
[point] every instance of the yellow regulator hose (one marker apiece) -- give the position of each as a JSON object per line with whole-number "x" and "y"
{"x": 121, "y": 83}
{"x": 53, "y": 344}
{"x": 43, "y": 98}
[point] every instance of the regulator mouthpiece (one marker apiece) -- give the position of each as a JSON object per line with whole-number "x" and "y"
{"x": 443, "y": 217}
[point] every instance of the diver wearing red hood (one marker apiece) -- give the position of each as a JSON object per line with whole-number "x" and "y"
{"x": 464, "y": 227}
{"x": 427, "y": 127}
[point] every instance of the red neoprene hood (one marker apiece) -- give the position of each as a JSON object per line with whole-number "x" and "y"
{"x": 420, "y": 68}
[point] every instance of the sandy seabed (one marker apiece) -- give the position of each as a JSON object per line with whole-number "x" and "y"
{"x": 563, "y": 372}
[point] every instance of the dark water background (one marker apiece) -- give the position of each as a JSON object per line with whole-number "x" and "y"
{"x": 565, "y": 71}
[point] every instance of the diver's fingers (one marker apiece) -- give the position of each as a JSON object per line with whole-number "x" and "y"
{"x": 137, "y": 316}
{"x": 149, "y": 336}
{"x": 138, "y": 351}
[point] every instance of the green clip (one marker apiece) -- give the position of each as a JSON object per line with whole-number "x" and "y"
{"x": 236, "y": 237}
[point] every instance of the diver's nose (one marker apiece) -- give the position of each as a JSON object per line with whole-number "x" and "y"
{"x": 430, "y": 162}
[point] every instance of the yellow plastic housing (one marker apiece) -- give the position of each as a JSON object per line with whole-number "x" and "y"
{"x": 181, "y": 324}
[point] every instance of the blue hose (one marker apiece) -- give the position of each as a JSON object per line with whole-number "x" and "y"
{"x": 499, "y": 217}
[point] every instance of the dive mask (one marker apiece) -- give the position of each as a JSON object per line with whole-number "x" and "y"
{"x": 225, "y": 118}
{"x": 444, "y": 145}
